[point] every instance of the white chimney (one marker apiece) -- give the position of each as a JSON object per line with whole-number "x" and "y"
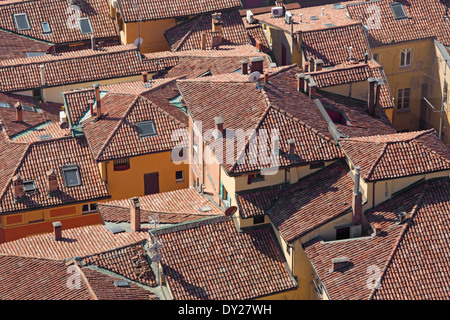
{"x": 41, "y": 70}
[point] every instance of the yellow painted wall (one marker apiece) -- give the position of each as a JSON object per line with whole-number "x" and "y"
{"x": 412, "y": 77}
{"x": 356, "y": 90}
{"x": 129, "y": 183}
{"x": 442, "y": 70}
{"x": 151, "y": 32}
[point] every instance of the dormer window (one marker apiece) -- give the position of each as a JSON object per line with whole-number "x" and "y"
{"x": 71, "y": 175}
{"x": 85, "y": 25}
{"x": 399, "y": 11}
{"x": 29, "y": 186}
{"x": 46, "y": 27}
{"x": 146, "y": 129}
{"x": 21, "y": 21}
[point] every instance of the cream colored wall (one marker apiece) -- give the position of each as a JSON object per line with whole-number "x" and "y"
{"x": 356, "y": 90}
{"x": 442, "y": 70}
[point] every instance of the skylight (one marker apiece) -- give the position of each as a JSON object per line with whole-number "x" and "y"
{"x": 5, "y": 105}
{"x": 146, "y": 128}
{"x": 21, "y": 21}
{"x": 399, "y": 11}
{"x": 85, "y": 25}
{"x": 34, "y": 54}
{"x": 338, "y": 6}
{"x": 29, "y": 186}
{"x": 46, "y": 27}
{"x": 71, "y": 175}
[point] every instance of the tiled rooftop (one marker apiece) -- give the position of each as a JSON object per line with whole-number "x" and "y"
{"x": 256, "y": 202}
{"x": 425, "y": 19}
{"x": 212, "y": 260}
{"x": 56, "y": 13}
{"x": 187, "y": 35}
{"x": 14, "y": 45}
{"x": 409, "y": 255}
{"x": 393, "y": 156}
{"x": 57, "y": 153}
{"x": 134, "y": 10}
{"x": 169, "y": 207}
{"x": 313, "y": 201}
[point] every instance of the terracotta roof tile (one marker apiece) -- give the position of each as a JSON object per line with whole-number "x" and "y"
{"x": 313, "y": 201}
{"x": 187, "y": 35}
{"x": 56, "y": 13}
{"x": 397, "y": 155}
{"x": 132, "y": 11}
{"x": 130, "y": 262}
{"x": 14, "y": 45}
{"x": 256, "y": 202}
{"x": 221, "y": 260}
{"x": 57, "y": 153}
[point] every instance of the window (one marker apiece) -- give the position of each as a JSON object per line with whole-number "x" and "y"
{"x": 34, "y": 54}
{"x": 21, "y": 21}
{"x": 258, "y": 219}
{"x": 146, "y": 129}
{"x": 5, "y": 105}
{"x": 224, "y": 194}
{"x": 31, "y": 108}
{"x": 29, "y": 186}
{"x": 405, "y": 58}
{"x": 179, "y": 176}
{"x": 317, "y": 165}
{"x": 399, "y": 11}
{"x": 71, "y": 175}
{"x": 255, "y": 177}
{"x": 121, "y": 164}
{"x": 403, "y": 99}
{"x": 46, "y": 27}
{"x": 89, "y": 208}
{"x": 342, "y": 233}
{"x": 85, "y": 25}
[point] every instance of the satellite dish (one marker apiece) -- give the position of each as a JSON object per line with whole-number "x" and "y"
{"x": 230, "y": 211}
{"x": 254, "y": 76}
{"x": 138, "y": 42}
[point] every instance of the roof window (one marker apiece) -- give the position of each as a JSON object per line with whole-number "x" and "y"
{"x": 21, "y": 21}
{"x": 71, "y": 175}
{"x": 85, "y": 25}
{"x": 5, "y": 105}
{"x": 29, "y": 186}
{"x": 146, "y": 129}
{"x": 399, "y": 11}
{"x": 46, "y": 27}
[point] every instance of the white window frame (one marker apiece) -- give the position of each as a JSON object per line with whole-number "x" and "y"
{"x": 404, "y": 58}
{"x": 17, "y": 25}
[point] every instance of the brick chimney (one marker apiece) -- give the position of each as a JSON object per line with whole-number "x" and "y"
{"x": 312, "y": 86}
{"x": 144, "y": 76}
{"x": 291, "y": 147}
{"x": 366, "y": 57}
{"x": 93, "y": 47}
{"x": 52, "y": 181}
{"x": 217, "y": 22}
{"x": 266, "y": 76}
{"x": 19, "y": 111}
{"x": 377, "y": 93}
{"x": 300, "y": 82}
{"x": 371, "y": 96}
{"x": 357, "y": 199}
{"x": 376, "y": 228}
{"x": 257, "y": 64}
{"x": 135, "y": 214}
{"x": 338, "y": 263}
{"x": 203, "y": 41}
{"x": 17, "y": 183}
{"x": 244, "y": 66}
{"x": 57, "y": 230}
{"x": 215, "y": 39}
{"x": 258, "y": 45}
{"x": 91, "y": 106}
{"x": 219, "y": 124}
{"x": 97, "y": 99}
{"x": 306, "y": 66}
{"x": 319, "y": 64}
{"x": 311, "y": 64}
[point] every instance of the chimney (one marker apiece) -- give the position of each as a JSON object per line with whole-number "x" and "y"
{"x": 319, "y": 64}
{"x": 135, "y": 214}
{"x": 93, "y": 42}
{"x": 291, "y": 147}
{"x": 323, "y": 12}
{"x": 301, "y": 17}
{"x": 219, "y": 124}
{"x": 203, "y": 41}
{"x": 371, "y": 97}
{"x": 144, "y": 77}
{"x": 19, "y": 111}
{"x": 338, "y": 263}
{"x": 258, "y": 45}
{"x": 377, "y": 228}
{"x": 91, "y": 107}
{"x": 377, "y": 94}
{"x": 357, "y": 199}
{"x": 300, "y": 82}
{"x": 311, "y": 64}
{"x": 244, "y": 67}
{"x": 57, "y": 230}
{"x": 42, "y": 73}
{"x": 266, "y": 76}
{"x": 217, "y": 24}
{"x": 52, "y": 181}
{"x": 97, "y": 99}
{"x": 257, "y": 64}
{"x": 366, "y": 57}
{"x": 350, "y": 54}
{"x": 312, "y": 86}
{"x": 306, "y": 66}
{"x": 215, "y": 39}
{"x": 17, "y": 183}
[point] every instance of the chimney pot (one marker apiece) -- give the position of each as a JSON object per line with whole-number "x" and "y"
{"x": 266, "y": 76}
{"x": 97, "y": 99}
{"x": 135, "y": 214}
{"x": 19, "y": 111}
{"x": 57, "y": 229}
{"x": 91, "y": 106}
{"x": 144, "y": 76}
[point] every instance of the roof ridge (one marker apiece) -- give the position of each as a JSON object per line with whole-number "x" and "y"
{"x": 372, "y": 169}
{"x": 86, "y": 281}
{"x": 400, "y": 237}
{"x": 431, "y": 151}
{"x": 183, "y": 39}
{"x": 141, "y": 241}
{"x": 171, "y": 117}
